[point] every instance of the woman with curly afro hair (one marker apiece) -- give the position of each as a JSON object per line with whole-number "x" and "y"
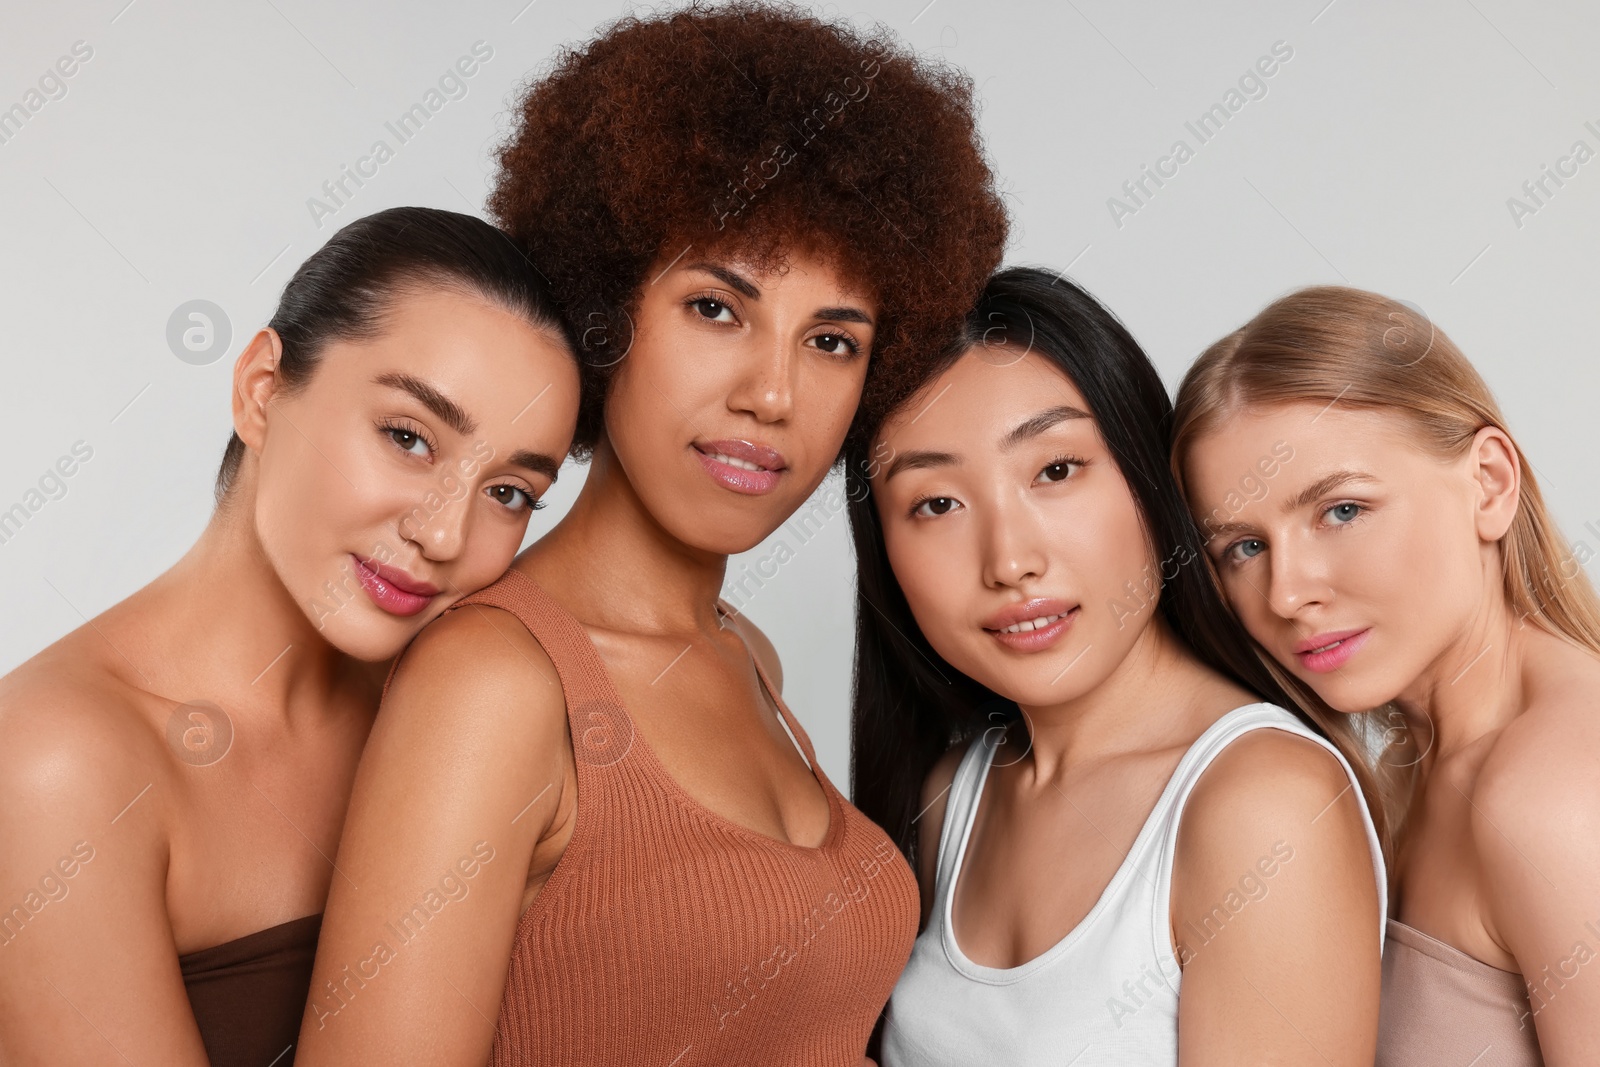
{"x": 587, "y": 829}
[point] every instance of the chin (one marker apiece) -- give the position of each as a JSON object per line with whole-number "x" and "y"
{"x": 372, "y": 640}
{"x": 726, "y": 533}
{"x": 1351, "y": 696}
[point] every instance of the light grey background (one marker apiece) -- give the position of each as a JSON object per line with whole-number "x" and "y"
{"x": 179, "y": 163}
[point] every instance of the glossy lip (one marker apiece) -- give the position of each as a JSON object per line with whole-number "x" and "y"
{"x": 393, "y": 589}
{"x": 1031, "y": 640}
{"x": 1349, "y": 643}
{"x": 754, "y": 483}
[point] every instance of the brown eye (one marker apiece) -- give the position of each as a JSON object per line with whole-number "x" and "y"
{"x": 939, "y": 505}
{"x": 514, "y": 497}
{"x": 713, "y": 310}
{"x": 407, "y": 441}
{"x": 836, "y": 344}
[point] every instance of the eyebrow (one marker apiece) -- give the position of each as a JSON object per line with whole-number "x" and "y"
{"x": 537, "y": 462}
{"x": 1029, "y": 428}
{"x": 740, "y": 285}
{"x": 1321, "y": 486}
{"x": 919, "y": 460}
{"x": 1041, "y": 422}
{"x": 728, "y": 278}
{"x": 431, "y": 398}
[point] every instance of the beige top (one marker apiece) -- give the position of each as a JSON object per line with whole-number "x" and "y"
{"x": 1442, "y": 1006}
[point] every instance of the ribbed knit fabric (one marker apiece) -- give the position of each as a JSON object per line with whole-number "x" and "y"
{"x": 668, "y": 935}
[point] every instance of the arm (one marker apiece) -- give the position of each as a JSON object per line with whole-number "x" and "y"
{"x": 463, "y": 775}
{"x": 1536, "y": 828}
{"x": 88, "y": 969}
{"x": 1275, "y": 911}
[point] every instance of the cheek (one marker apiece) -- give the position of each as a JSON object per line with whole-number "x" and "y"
{"x": 1102, "y": 546}
{"x": 929, "y": 570}
{"x": 1424, "y": 572}
{"x": 489, "y": 552}
{"x": 319, "y": 490}
{"x": 826, "y": 398}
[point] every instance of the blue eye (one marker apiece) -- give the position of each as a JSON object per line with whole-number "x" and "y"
{"x": 1249, "y": 548}
{"x": 1344, "y": 513}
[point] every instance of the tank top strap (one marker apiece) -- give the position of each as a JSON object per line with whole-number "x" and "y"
{"x": 1206, "y": 748}
{"x": 601, "y": 730}
{"x": 960, "y": 808}
{"x": 789, "y": 720}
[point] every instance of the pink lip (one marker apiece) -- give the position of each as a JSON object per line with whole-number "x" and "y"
{"x": 1349, "y": 643}
{"x": 737, "y": 478}
{"x": 392, "y": 589}
{"x": 1031, "y": 640}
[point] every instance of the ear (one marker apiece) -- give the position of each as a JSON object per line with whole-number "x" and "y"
{"x": 255, "y": 380}
{"x": 1492, "y": 460}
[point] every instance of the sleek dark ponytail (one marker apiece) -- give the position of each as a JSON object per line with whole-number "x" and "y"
{"x": 910, "y": 706}
{"x": 343, "y": 290}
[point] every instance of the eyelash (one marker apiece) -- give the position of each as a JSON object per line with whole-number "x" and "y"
{"x": 396, "y": 426}
{"x": 1061, "y": 460}
{"x": 1064, "y": 460}
{"x": 1229, "y": 558}
{"x": 709, "y": 297}
{"x": 391, "y": 427}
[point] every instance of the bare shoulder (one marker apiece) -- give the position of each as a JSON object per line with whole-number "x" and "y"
{"x": 77, "y": 751}
{"x": 1271, "y": 786}
{"x": 1536, "y": 796}
{"x": 67, "y": 730}
{"x": 760, "y": 646}
{"x": 477, "y": 672}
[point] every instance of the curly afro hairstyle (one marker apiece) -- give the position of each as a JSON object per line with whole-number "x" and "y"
{"x": 761, "y": 129}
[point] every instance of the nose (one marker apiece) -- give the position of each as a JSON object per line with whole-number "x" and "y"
{"x": 438, "y": 524}
{"x": 1012, "y": 544}
{"x": 1296, "y": 579}
{"x": 766, "y": 388}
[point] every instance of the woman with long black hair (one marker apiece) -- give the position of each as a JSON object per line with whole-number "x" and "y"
{"x": 1130, "y": 852}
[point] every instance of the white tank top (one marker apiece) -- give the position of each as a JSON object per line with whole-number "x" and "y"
{"x": 1107, "y": 993}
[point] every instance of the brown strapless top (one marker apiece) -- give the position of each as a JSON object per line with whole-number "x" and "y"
{"x": 1442, "y": 1006}
{"x": 249, "y": 994}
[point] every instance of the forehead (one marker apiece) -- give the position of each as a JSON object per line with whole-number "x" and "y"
{"x": 1318, "y": 437}
{"x": 975, "y": 401}
{"x": 775, "y": 263}
{"x": 461, "y": 342}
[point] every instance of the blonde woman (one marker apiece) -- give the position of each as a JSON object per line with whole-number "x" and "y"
{"x": 1401, "y": 566}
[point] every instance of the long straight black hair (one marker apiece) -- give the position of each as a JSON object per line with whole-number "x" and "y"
{"x": 910, "y": 706}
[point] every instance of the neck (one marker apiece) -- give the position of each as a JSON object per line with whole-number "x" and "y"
{"x": 1108, "y": 720}
{"x": 618, "y": 567}
{"x": 220, "y": 626}
{"x": 1475, "y": 686}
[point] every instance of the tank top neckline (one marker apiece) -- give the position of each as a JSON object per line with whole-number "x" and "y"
{"x": 658, "y": 771}
{"x": 1455, "y": 958}
{"x": 248, "y": 946}
{"x": 1125, "y": 870}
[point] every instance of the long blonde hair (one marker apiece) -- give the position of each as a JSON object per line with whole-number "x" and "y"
{"x": 1332, "y": 344}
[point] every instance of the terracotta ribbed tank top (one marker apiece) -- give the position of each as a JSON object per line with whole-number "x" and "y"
{"x": 668, "y": 935}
